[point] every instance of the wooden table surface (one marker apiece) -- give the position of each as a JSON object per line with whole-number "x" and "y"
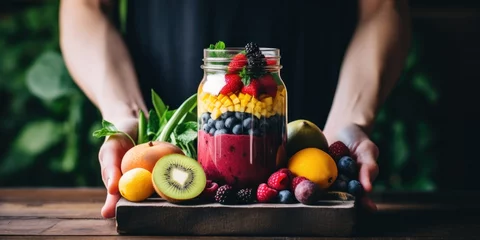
{"x": 74, "y": 213}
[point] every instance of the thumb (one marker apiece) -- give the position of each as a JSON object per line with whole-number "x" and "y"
{"x": 110, "y": 158}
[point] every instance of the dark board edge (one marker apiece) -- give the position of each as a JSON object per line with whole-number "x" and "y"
{"x": 158, "y": 217}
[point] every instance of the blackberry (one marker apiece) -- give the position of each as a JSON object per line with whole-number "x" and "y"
{"x": 251, "y": 47}
{"x": 225, "y": 195}
{"x": 245, "y": 196}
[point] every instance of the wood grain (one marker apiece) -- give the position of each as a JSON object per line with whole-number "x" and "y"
{"x": 75, "y": 214}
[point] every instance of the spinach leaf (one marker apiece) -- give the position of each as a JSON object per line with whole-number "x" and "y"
{"x": 153, "y": 124}
{"x": 109, "y": 129}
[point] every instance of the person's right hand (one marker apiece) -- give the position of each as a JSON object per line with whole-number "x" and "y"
{"x": 110, "y": 157}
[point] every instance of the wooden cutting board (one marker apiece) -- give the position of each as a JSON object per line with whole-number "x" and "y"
{"x": 332, "y": 216}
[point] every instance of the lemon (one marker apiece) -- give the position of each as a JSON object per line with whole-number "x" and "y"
{"x": 314, "y": 164}
{"x": 136, "y": 185}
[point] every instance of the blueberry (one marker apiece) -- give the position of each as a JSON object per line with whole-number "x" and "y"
{"x": 226, "y": 115}
{"x": 211, "y": 122}
{"x": 221, "y": 131}
{"x": 286, "y": 196}
{"x": 248, "y": 123}
{"x": 264, "y": 126}
{"x": 230, "y": 122}
{"x": 206, "y": 128}
{"x": 205, "y": 116}
{"x": 220, "y": 124}
{"x": 212, "y": 131}
{"x": 341, "y": 184}
{"x": 254, "y": 132}
{"x": 237, "y": 129}
{"x": 240, "y": 115}
{"x": 347, "y": 167}
{"x": 355, "y": 188}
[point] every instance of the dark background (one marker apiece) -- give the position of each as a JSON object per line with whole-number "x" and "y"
{"x": 427, "y": 131}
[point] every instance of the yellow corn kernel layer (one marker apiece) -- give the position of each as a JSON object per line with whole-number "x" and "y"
{"x": 264, "y": 106}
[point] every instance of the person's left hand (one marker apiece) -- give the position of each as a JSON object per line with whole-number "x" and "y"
{"x": 364, "y": 151}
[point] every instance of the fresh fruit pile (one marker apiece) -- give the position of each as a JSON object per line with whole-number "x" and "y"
{"x": 163, "y": 158}
{"x": 242, "y": 138}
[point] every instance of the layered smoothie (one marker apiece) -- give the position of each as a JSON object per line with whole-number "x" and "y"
{"x": 242, "y": 123}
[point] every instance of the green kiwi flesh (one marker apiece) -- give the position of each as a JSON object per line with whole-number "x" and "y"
{"x": 177, "y": 178}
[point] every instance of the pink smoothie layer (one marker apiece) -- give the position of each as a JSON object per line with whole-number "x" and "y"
{"x": 238, "y": 160}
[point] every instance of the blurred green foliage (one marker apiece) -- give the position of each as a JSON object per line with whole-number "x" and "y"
{"x": 47, "y": 122}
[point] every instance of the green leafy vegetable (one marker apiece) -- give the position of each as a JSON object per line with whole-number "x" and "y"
{"x": 158, "y": 104}
{"x": 153, "y": 124}
{"x": 142, "y": 128}
{"x": 186, "y": 132}
{"x": 186, "y": 106}
{"x": 177, "y": 126}
{"x": 109, "y": 129}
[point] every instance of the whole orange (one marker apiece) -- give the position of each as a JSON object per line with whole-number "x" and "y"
{"x": 136, "y": 185}
{"x": 314, "y": 164}
{"x": 145, "y": 155}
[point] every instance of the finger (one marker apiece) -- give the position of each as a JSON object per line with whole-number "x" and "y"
{"x": 367, "y": 154}
{"x": 110, "y": 157}
{"x": 368, "y": 174}
{"x": 108, "y": 210}
{"x": 368, "y": 204}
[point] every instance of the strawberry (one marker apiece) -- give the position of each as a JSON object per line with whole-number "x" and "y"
{"x": 234, "y": 84}
{"x": 253, "y": 88}
{"x": 337, "y": 150}
{"x": 265, "y": 193}
{"x": 271, "y": 61}
{"x": 237, "y": 63}
{"x": 269, "y": 85}
{"x": 296, "y": 181}
{"x": 278, "y": 181}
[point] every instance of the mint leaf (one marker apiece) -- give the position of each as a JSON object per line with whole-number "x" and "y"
{"x": 220, "y": 45}
{"x": 109, "y": 129}
{"x": 245, "y": 76}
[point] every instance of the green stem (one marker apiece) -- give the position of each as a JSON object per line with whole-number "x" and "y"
{"x": 177, "y": 116}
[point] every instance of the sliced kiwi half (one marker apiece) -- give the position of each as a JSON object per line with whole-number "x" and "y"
{"x": 177, "y": 178}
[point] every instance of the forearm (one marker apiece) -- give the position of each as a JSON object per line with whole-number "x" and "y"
{"x": 372, "y": 64}
{"x": 97, "y": 59}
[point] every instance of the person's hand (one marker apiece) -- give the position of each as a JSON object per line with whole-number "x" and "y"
{"x": 364, "y": 151}
{"x": 110, "y": 157}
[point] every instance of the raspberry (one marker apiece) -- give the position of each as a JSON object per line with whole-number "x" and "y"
{"x": 245, "y": 196}
{"x": 278, "y": 181}
{"x": 225, "y": 195}
{"x": 286, "y": 171}
{"x": 266, "y": 194}
{"x": 337, "y": 150}
{"x": 296, "y": 181}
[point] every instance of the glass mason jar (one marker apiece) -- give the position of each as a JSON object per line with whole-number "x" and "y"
{"x": 242, "y": 116}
